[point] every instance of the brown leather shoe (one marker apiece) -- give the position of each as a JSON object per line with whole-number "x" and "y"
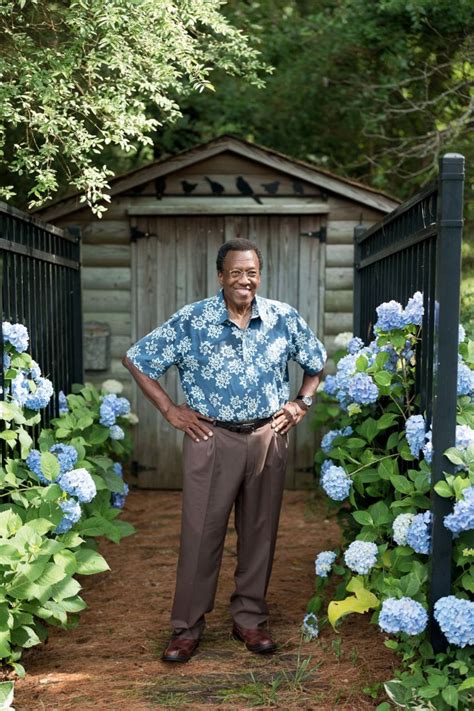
{"x": 256, "y": 640}
{"x": 179, "y": 649}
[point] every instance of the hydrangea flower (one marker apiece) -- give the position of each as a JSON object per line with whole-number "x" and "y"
{"x": 67, "y": 456}
{"x": 310, "y": 625}
{"x": 78, "y": 483}
{"x": 428, "y": 447}
{"x": 35, "y": 370}
{"x": 408, "y": 351}
{"x": 117, "y": 500}
{"x": 330, "y": 385}
{"x": 119, "y": 405}
{"x": 354, "y": 345}
{"x": 329, "y": 437}
{"x": 20, "y": 389}
{"x": 462, "y": 518}
{"x": 414, "y": 310}
{"x": 345, "y": 370}
{"x": 41, "y": 397}
{"x": 132, "y": 418}
{"x": 403, "y": 615}
{"x": 419, "y": 533}
{"x": 362, "y": 389}
{"x": 107, "y": 415}
{"x": 116, "y": 432}
{"x": 464, "y": 436}
{"x": 361, "y": 556}
{"x": 400, "y": 528}
{"x": 112, "y": 386}
{"x": 72, "y": 514}
{"x": 33, "y": 462}
{"x": 62, "y": 402}
{"x": 7, "y": 361}
{"x": 415, "y": 432}
{"x": 461, "y": 333}
{"x": 465, "y": 379}
{"x": 16, "y": 334}
{"x": 323, "y": 563}
{"x": 335, "y": 482}
{"x": 118, "y": 469}
{"x": 343, "y": 339}
{"x": 326, "y": 465}
{"x": 455, "y": 617}
{"x": 389, "y": 316}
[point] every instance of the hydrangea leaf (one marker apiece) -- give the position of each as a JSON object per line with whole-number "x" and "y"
{"x": 6, "y": 687}
{"x": 67, "y": 588}
{"x": 454, "y": 456}
{"x": 443, "y": 489}
{"x": 10, "y": 523}
{"x": 90, "y": 562}
{"x": 386, "y": 421}
{"x": 361, "y": 602}
{"x": 49, "y": 465}
{"x": 467, "y": 684}
{"x": 401, "y": 484}
{"x": 383, "y": 378}
{"x": 363, "y": 517}
{"x": 5, "y": 652}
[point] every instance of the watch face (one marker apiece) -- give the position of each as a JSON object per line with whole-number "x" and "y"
{"x": 308, "y": 401}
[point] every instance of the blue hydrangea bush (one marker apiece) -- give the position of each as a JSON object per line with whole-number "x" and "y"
{"x": 374, "y": 465}
{"x": 61, "y": 487}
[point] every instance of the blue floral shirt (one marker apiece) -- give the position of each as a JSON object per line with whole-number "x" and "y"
{"x": 227, "y": 372}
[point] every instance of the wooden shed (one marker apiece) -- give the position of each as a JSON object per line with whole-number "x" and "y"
{"x": 155, "y": 249}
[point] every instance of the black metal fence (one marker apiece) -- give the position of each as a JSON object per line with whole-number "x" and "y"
{"x": 40, "y": 288}
{"x": 418, "y": 248}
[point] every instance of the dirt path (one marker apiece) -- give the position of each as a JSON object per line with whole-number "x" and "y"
{"x": 112, "y": 659}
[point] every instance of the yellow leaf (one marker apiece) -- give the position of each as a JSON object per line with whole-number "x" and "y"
{"x": 361, "y": 602}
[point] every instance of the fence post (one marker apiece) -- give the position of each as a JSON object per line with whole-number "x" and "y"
{"x": 77, "y": 328}
{"x": 359, "y": 230}
{"x": 448, "y": 271}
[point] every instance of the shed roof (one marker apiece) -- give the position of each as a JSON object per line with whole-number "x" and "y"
{"x": 298, "y": 169}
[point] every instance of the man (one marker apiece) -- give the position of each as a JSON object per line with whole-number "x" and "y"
{"x": 231, "y": 352}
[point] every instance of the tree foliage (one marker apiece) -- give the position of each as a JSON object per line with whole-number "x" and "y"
{"x": 376, "y": 90}
{"x": 83, "y": 75}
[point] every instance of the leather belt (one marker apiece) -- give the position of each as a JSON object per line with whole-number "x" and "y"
{"x": 243, "y": 427}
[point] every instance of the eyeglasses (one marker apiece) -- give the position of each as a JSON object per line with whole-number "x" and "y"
{"x": 237, "y": 273}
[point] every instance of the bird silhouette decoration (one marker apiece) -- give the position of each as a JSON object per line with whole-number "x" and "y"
{"x": 160, "y": 187}
{"x": 271, "y": 188}
{"x": 188, "y": 187}
{"x": 298, "y": 187}
{"x": 216, "y": 188}
{"x": 246, "y": 189}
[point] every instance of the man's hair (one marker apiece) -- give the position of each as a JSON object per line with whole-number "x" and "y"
{"x": 237, "y": 245}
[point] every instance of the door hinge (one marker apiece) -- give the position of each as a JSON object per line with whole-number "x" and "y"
{"x": 136, "y": 468}
{"x": 316, "y": 234}
{"x": 136, "y": 234}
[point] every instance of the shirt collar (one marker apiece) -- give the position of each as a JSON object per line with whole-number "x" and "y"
{"x": 258, "y": 309}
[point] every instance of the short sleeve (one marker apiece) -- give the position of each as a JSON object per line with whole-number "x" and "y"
{"x": 158, "y": 350}
{"x": 305, "y": 349}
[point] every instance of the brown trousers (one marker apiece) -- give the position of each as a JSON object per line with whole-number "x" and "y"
{"x": 228, "y": 468}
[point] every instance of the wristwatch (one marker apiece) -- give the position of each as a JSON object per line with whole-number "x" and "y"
{"x": 305, "y": 399}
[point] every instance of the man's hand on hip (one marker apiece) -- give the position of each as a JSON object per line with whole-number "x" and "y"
{"x": 288, "y": 416}
{"x": 189, "y": 421}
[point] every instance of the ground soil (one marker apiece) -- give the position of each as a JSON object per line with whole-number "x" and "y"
{"x": 112, "y": 659}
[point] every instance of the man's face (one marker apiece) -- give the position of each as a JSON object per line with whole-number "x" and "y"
{"x": 240, "y": 278}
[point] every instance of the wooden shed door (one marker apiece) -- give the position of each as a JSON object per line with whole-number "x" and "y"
{"x": 175, "y": 264}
